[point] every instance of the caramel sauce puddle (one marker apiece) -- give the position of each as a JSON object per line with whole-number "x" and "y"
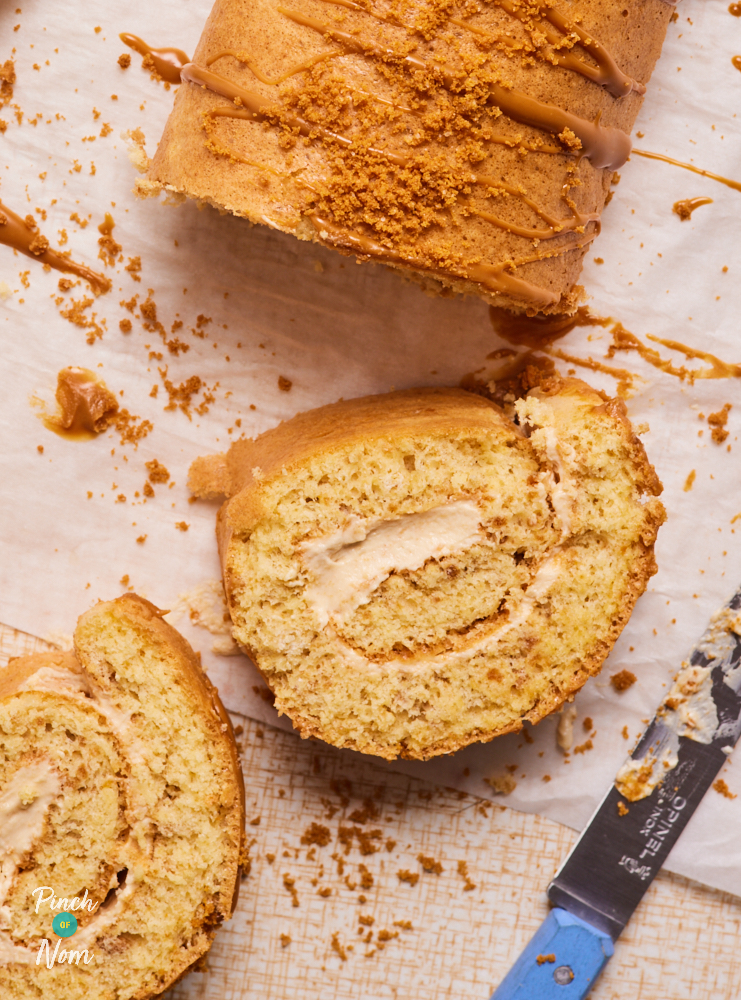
{"x": 85, "y": 405}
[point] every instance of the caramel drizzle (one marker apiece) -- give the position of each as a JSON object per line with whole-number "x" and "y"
{"x": 736, "y": 60}
{"x": 167, "y": 62}
{"x": 18, "y": 234}
{"x": 624, "y": 340}
{"x": 687, "y": 206}
{"x": 252, "y": 107}
{"x": 625, "y": 379}
{"x": 604, "y": 147}
{"x": 539, "y": 332}
{"x": 302, "y": 67}
{"x": 736, "y": 185}
{"x": 274, "y": 82}
{"x": 491, "y": 276}
{"x": 735, "y": 9}
{"x": 606, "y": 73}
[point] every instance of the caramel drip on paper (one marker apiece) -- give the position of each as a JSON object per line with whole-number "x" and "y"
{"x": 166, "y": 62}
{"x": 687, "y": 206}
{"x": 736, "y": 61}
{"x": 604, "y": 147}
{"x": 735, "y": 9}
{"x": 624, "y": 340}
{"x": 736, "y": 185}
{"x": 491, "y": 276}
{"x": 539, "y": 331}
{"x": 25, "y": 237}
{"x": 624, "y": 378}
{"x": 86, "y": 406}
{"x": 107, "y": 225}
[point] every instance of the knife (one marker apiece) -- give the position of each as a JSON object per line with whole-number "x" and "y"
{"x": 634, "y": 828}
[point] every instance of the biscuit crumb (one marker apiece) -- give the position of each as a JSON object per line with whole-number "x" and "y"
{"x": 285, "y": 940}
{"x": 157, "y": 473}
{"x": 406, "y": 876}
{"x": 622, "y": 809}
{"x": 722, "y": 789}
{"x": 503, "y": 784}
{"x": 316, "y": 834}
{"x": 622, "y": 680}
{"x": 124, "y": 60}
{"x": 430, "y": 865}
{"x": 290, "y": 884}
{"x": 284, "y": 384}
{"x": 542, "y": 959}
{"x": 336, "y": 946}
{"x": 463, "y": 872}
{"x": 141, "y": 539}
{"x": 181, "y": 525}
{"x": 366, "y": 879}
{"x": 718, "y": 422}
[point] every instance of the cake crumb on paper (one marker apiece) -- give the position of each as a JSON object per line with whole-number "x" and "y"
{"x": 722, "y": 788}
{"x": 502, "y": 784}
{"x": 404, "y": 875}
{"x": 430, "y": 865}
{"x": 565, "y": 728}
{"x": 463, "y": 872}
{"x": 623, "y": 680}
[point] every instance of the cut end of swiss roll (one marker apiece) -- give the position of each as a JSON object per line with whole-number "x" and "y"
{"x": 416, "y": 571}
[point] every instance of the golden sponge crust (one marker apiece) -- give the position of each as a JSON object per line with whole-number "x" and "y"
{"x": 419, "y": 212}
{"x": 471, "y": 639}
{"x": 138, "y": 755}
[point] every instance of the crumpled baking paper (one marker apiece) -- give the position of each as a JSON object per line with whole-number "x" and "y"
{"x": 70, "y": 515}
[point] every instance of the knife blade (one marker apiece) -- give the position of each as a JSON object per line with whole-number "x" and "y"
{"x": 635, "y": 826}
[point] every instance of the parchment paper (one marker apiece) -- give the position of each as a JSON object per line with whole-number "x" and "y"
{"x": 282, "y": 308}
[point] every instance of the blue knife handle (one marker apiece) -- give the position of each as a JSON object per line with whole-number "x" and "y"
{"x": 572, "y": 954}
